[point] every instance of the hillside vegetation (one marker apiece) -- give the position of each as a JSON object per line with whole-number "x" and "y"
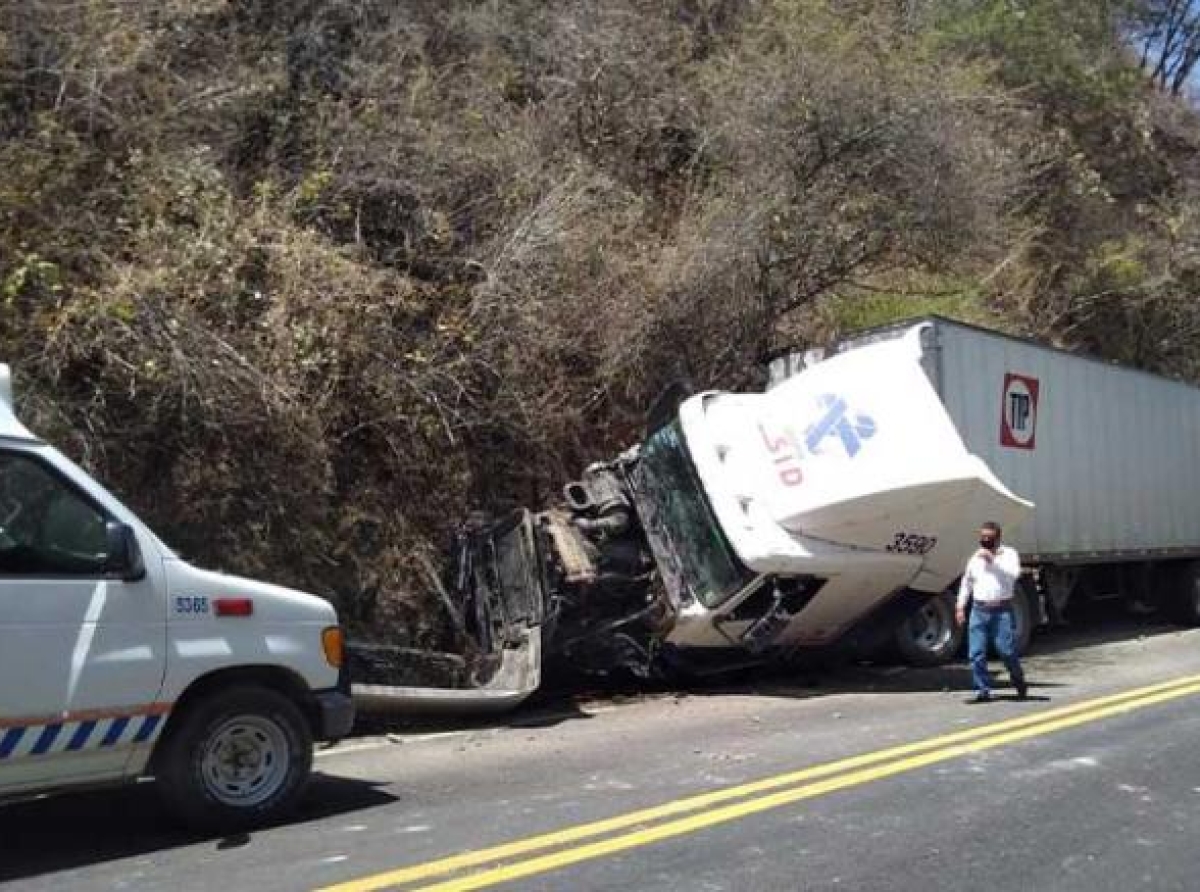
{"x": 307, "y": 280}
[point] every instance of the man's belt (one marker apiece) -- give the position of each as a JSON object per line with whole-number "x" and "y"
{"x": 1006, "y": 604}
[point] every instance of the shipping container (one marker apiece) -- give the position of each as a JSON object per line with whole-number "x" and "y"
{"x": 1109, "y": 454}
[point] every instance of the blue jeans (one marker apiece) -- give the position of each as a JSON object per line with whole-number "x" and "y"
{"x": 995, "y": 626}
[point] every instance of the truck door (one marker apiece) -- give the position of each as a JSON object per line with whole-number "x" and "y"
{"x": 82, "y": 651}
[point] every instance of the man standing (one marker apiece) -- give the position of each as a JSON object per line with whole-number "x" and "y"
{"x": 989, "y": 580}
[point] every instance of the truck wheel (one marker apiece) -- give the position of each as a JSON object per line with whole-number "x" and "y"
{"x": 1024, "y": 617}
{"x": 1184, "y": 598}
{"x": 930, "y": 637}
{"x": 238, "y": 758}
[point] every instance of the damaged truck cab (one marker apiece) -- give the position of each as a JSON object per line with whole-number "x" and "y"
{"x": 752, "y": 525}
{"x": 838, "y": 507}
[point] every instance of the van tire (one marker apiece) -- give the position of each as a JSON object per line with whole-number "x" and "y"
{"x": 238, "y": 758}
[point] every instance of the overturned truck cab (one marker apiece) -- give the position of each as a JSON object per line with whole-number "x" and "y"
{"x": 749, "y": 527}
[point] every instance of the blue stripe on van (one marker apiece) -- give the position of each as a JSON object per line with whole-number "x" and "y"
{"x": 49, "y": 734}
{"x": 86, "y": 736}
{"x": 115, "y": 730}
{"x": 81, "y": 735}
{"x": 148, "y": 726}
{"x": 9, "y": 741}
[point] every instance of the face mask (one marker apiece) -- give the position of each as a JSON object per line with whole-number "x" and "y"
{"x": 989, "y": 544}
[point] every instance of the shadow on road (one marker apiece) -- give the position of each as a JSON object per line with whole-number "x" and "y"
{"x": 543, "y": 710}
{"x": 66, "y": 832}
{"x": 571, "y": 699}
{"x": 1089, "y": 631}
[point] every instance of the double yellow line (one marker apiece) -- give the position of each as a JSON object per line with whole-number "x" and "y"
{"x": 561, "y": 848}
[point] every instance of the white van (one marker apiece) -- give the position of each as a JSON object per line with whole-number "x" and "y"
{"x": 118, "y": 660}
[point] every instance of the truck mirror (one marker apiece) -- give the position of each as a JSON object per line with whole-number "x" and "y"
{"x": 124, "y": 556}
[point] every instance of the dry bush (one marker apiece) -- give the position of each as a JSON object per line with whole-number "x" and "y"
{"x": 1103, "y": 251}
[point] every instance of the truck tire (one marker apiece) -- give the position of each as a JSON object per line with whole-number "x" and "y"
{"x": 930, "y": 636}
{"x": 238, "y": 758}
{"x": 1184, "y": 594}
{"x": 1024, "y": 617}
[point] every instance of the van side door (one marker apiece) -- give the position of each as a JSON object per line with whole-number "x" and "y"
{"x": 82, "y": 650}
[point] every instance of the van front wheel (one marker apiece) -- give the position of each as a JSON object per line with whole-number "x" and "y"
{"x": 239, "y": 758}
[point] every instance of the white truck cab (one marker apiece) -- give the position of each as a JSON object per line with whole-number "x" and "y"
{"x": 119, "y": 660}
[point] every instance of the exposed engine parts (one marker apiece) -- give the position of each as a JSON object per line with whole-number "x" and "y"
{"x": 607, "y": 616}
{"x": 598, "y": 503}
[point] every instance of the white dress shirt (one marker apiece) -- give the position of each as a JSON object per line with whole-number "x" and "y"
{"x": 990, "y": 582}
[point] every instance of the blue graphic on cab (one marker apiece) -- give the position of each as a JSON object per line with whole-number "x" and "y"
{"x": 838, "y": 423}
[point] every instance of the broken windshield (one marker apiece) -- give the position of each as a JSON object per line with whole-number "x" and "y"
{"x": 676, "y": 511}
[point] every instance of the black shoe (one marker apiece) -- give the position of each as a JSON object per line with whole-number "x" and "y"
{"x": 981, "y": 697}
{"x": 1022, "y": 689}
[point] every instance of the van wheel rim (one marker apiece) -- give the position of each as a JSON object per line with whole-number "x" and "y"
{"x": 245, "y": 762}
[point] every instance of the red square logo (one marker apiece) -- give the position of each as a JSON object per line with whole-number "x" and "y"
{"x": 1018, "y": 411}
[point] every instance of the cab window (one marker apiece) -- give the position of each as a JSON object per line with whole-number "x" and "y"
{"x": 47, "y": 528}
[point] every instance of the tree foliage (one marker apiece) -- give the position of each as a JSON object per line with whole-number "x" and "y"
{"x": 1169, "y": 34}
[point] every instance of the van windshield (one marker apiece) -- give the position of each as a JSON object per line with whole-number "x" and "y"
{"x": 681, "y": 524}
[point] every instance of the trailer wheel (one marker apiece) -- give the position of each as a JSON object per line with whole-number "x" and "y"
{"x": 1184, "y": 598}
{"x": 931, "y": 636}
{"x": 1024, "y": 617}
{"x": 239, "y": 758}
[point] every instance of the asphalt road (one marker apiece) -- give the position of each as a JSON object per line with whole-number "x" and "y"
{"x": 865, "y": 778}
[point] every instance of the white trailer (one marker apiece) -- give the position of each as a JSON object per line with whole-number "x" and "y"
{"x": 1109, "y": 454}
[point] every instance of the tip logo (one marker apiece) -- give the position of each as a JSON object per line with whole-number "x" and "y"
{"x": 1018, "y": 411}
{"x": 838, "y": 422}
